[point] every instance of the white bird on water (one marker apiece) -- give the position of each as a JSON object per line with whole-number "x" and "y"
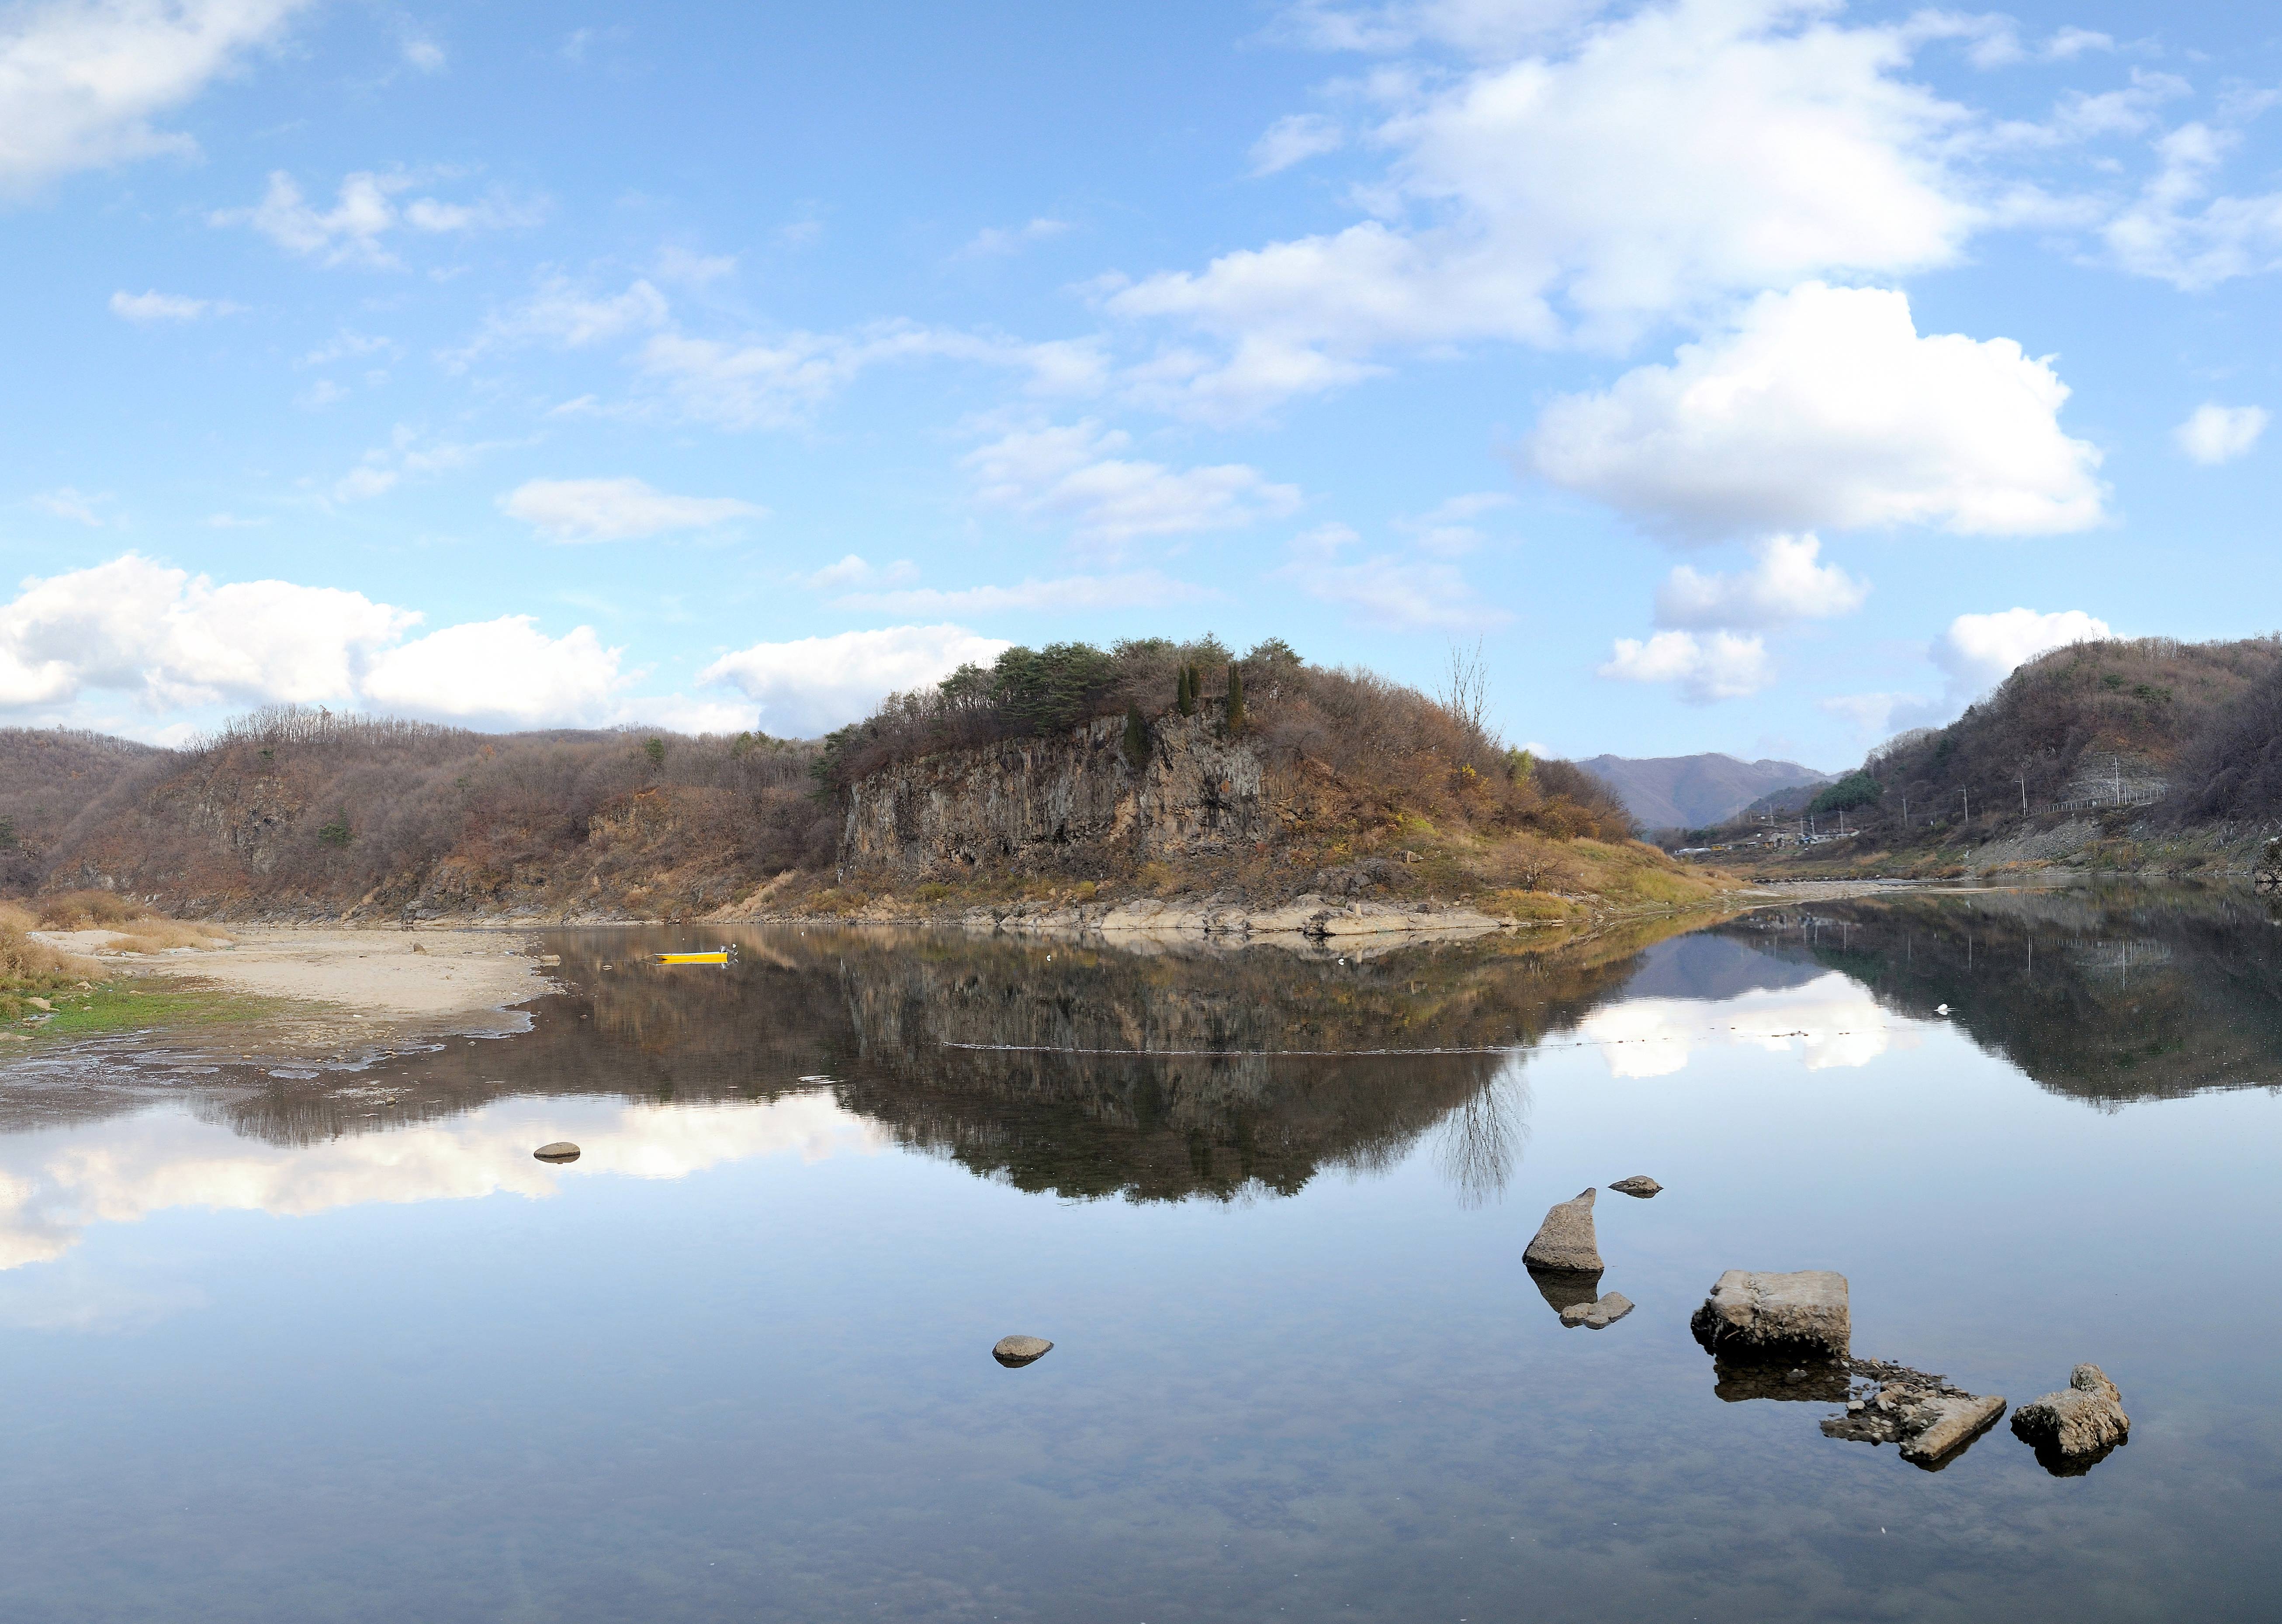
{"x": 1941, "y": 1009}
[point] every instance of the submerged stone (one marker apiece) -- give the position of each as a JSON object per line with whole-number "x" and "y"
{"x": 1016, "y": 1351}
{"x": 2074, "y": 1429}
{"x": 1932, "y": 1425}
{"x": 561, "y": 1150}
{"x": 1598, "y": 1315}
{"x": 1565, "y": 1241}
{"x": 1639, "y": 1184}
{"x": 1751, "y": 1315}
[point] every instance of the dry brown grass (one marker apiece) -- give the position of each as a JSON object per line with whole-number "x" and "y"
{"x": 29, "y": 966}
{"x": 137, "y": 929}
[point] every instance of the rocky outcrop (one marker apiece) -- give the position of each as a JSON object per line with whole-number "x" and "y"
{"x": 1639, "y": 1185}
{"x": 1751, "y": 1315}
{"x": 1566, "y": 1243}
{"x": 2074, "y": 1430}
{"x": 1032, "y": 804}
{"x": 1308, "y": 918}
{"x": 1929, "y": 1420}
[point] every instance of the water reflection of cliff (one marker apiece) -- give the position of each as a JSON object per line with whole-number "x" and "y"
{"x": 1017, "y": 1058}
{"x": 2103, "y": 994}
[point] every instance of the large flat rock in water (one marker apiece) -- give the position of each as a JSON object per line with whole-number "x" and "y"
{"x": 1752, "y": 1315}
{"x": 1566, "y": 1243}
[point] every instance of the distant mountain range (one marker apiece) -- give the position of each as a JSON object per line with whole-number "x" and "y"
{"x": 1691, "y": 792}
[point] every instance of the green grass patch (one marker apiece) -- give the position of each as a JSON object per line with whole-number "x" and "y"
{"x": 115, "y": 1007}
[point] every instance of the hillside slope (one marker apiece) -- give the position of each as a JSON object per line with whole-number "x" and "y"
{"x": 2127, "y": 753}
{"x": 1689, "y": 791}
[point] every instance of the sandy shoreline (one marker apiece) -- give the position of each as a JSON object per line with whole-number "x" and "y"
{"x": 392, "y": 975}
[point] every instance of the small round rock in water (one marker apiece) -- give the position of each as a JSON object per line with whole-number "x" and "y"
{"x": 1639, "y": 1184}
{"x": 1016, "y": 1351}
{"x": 561, "y": 1150}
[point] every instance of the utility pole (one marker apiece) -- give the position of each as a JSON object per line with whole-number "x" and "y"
{"x": 2115, "y": 766}
{"x": 2024, "y": 793}
{"x": 1961, "y": 790}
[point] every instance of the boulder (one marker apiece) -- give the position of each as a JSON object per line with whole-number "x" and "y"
{"x": 1751, "y": 1315}
{"x": 1598, "y": 1315}
{"x": 1565, "y": 1242}
{"x": 1932, "y": 1425}
{"x": 561, "y": 1150}
{"x": 1016, "y": 1351}
{"x": 2074, "y": 1430}
{"x": 1639, "y": 1184}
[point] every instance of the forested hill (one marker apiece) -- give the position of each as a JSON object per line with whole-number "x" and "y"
{"x": 1356, "y": 786}
{"x": 2122, "y": 752}
{"x": 1687, "y": 791}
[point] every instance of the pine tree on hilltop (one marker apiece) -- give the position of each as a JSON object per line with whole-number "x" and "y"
{"x": 1184, "y": 695}
{"x": 1236, "y": 716}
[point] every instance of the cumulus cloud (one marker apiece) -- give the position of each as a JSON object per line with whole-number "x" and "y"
{"x": 1139, "y": 589}
{"x": 144, "y": 308}
{"x": 1980, "y": 650}
{"x": 1652, "y": 165}
{"x": 995, "y": 243}
{"x": 173, "y": 639}
{"x": 813, "y": 684}
{"x": 1824, "y": 407}
{"x": 2177, "y": 232}
{"x": 1294, "y": 140}
{"x": 1722, "y": 665}
{"x": 2214, "y": 434}
{"x": 82, "y": 81}
{"x": 852, "y": 570}
{"x": 779, "y": 382}
{"x": 616, "y": 509}
{"x": 1073, "y": 475}
{"x": 365, "y": 212}
{"x": 176, "y": 642}
{"x": 1786, "y": 584}
{"x": 1399, "y": 593}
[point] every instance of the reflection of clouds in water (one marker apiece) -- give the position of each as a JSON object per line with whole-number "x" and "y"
{"x": 1831, "y": 1021}
{"x": 55, "y": 1183}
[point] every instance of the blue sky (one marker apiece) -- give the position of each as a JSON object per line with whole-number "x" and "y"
{"x": 1748, "y": 376}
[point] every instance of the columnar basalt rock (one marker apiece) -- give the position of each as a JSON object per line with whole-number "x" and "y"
{"x": 1027, "y": 803}
{"x": 1751, "y": 1315}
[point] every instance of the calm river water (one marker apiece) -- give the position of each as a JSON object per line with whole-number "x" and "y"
{"x": 275, "y": 1349}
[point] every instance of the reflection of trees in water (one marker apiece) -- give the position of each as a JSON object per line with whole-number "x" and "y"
{"x": 1482, "y": 1139}
{"x": 2106, "y": 993}
{"x": 875, "y": 1011}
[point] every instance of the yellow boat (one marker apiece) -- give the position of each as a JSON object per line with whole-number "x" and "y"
{"x": 718, "y": 955}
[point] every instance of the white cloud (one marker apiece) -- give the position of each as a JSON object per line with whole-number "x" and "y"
{"x": 1294, "y": 139}
{"x": 174, "y": 639}
{"x": 1477, "y": 27}
{"x": 780, "y": 381}
{"x": 1719, "y": 666}
{"x": 1400, "y": 594}
{"x": 1662, "y": 161}
{"x": 424, "y": 54}
{"x": 1980, "y": 650}
{"x": 1785, "y": 584}
{"x": 1139, "y": 589}
{"x": 81, "y": 81}
{"x": 2214, "y": 434}
{"x": 1073, "y": 475}
{"x": 80, "y": 506}
{"x": 176, "y": 642}
{"x": 813, "y": 684}
{"x": 566, "y": 315}
{"x": 854, "y": 571}
{"x": 364, "y": 212}
{"x": 694, "y": 270}
{"x": 2164, "y": 234}
{"x": 995, "y": 242}
{"x": 1824, "y": 407}
{"x": 154, "y": 306}
{"x": 501, "y": 671}
{"x": 616, "y": 509}
{"x": 408, "y": 452}
{"x": 1448, "y": 531}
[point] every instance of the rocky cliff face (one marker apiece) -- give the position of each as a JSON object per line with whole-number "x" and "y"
{"x": 1035, "y": 804}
